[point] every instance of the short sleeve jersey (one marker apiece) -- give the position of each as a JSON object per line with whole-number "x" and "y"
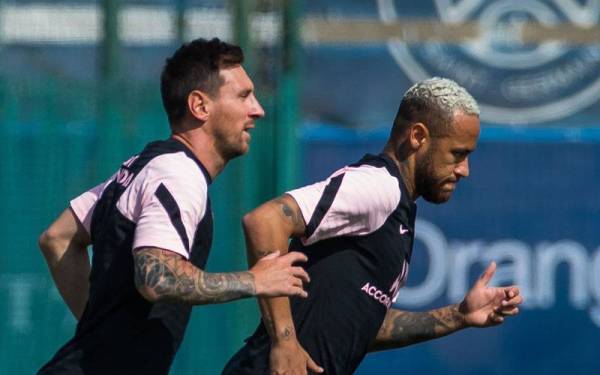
{"x": 359, "y": 237}
{"x": 158, "y": 198}
{"x": 167, "y": 182}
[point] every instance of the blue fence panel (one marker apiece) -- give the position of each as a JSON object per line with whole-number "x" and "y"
{"x": 532, "y": 205}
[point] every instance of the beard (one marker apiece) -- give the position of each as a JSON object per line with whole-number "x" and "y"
{"x": 427, "y": 183}
{"x": 233, "y": 150}
{"x": 228, "y": 136}
{"x": 230, "y": 146}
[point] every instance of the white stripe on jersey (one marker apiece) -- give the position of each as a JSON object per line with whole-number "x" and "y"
{"x": 138, "y": 203}
{"x": 365, "y": 199}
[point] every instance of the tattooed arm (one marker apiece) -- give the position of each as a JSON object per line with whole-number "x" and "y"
{"x": 402, "y": 328}
{"x": 162, "y": 275}
{"x": 269, "y": 228}
{"x": 483, "y": 306}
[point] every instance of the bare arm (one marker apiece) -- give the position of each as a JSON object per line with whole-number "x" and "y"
{"x": 162, "y": 275}
{"x": 64, "y": 246}
{"x": 483, "y": 306}
{"x": 269, "y": 228}
{"x": 402, "y": 328}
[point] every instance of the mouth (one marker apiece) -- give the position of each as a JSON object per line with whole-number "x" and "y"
{"x": 449, "y": 185}
{"x": 247, "y": 130}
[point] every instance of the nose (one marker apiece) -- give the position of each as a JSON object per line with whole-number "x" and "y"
{"x": 257, "y": 110}
{"x": 462, "y": 168}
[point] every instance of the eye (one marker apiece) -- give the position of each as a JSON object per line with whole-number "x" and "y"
{"x": 460, "y": 155}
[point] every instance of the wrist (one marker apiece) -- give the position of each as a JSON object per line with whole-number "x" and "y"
{"x": 250, "y": 279}
{"x": 284, "y": 336}
{"x": 460, "y": 311}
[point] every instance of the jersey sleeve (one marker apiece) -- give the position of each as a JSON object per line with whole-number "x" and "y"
{"x": 352, "y": 201}
{"x": 173, "y": 201}
{"x": 83, "y": 205}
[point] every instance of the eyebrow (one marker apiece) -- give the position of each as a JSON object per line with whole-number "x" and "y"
{"x": 462, "y": 150}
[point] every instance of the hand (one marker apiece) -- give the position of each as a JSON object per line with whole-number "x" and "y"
{"x": 485, "y": 306}
{"x": 275, "y": 276}
{"x": 290, "y": 358}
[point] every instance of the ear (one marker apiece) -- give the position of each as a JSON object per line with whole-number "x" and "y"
{"x": 198, "y": 103}
{"x": 418, "y": 135}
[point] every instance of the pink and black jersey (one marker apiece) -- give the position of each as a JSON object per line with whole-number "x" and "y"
{"x": 158, "y": 198}
{"x": 359, "y": 238}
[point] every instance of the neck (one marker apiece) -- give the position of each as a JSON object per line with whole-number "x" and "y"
{"x": 406, "y": 166}
{"x": 204, "y": 149}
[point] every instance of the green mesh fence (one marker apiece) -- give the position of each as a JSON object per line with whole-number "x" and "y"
{"x": 52, "y": 150}
{"x": 79, "y": 93}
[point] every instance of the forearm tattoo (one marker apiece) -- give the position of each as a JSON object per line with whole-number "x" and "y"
{"x": 286, "y": 334}
{"x": 172, "y": 278}
{"x": 401, "y": 328}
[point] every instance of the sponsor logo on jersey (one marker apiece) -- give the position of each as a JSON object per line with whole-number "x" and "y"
{"x": 124, "y": 175}
{"x": 384, "y": 298}
{"x": 377, "y": 295}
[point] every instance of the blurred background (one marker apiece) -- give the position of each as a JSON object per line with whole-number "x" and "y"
{"x": 79, "y": 93}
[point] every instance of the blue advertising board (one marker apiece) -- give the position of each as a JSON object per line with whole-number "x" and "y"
{"x": 531, "y": 203}
{"x": 533, "y": 207}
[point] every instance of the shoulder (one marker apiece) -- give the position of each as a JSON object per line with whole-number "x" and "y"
{"x": 171, "y": 179}
{"x": 369, "y": 182}
{"x": 177, "y": 170}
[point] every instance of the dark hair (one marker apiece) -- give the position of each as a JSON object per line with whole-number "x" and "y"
{"x": 421, "y": 110}
{"x": 195, "y": 66}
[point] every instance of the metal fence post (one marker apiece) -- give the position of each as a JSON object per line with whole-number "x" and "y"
{"x": 287, "y": 99}
{"x": 110, "y": 129}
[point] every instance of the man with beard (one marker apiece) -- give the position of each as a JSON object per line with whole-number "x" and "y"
{"x": 357, "y": 228}
{"x": 150, "y": 227}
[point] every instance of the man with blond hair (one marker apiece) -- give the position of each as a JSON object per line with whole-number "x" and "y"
{"x": 357, "y": 228}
